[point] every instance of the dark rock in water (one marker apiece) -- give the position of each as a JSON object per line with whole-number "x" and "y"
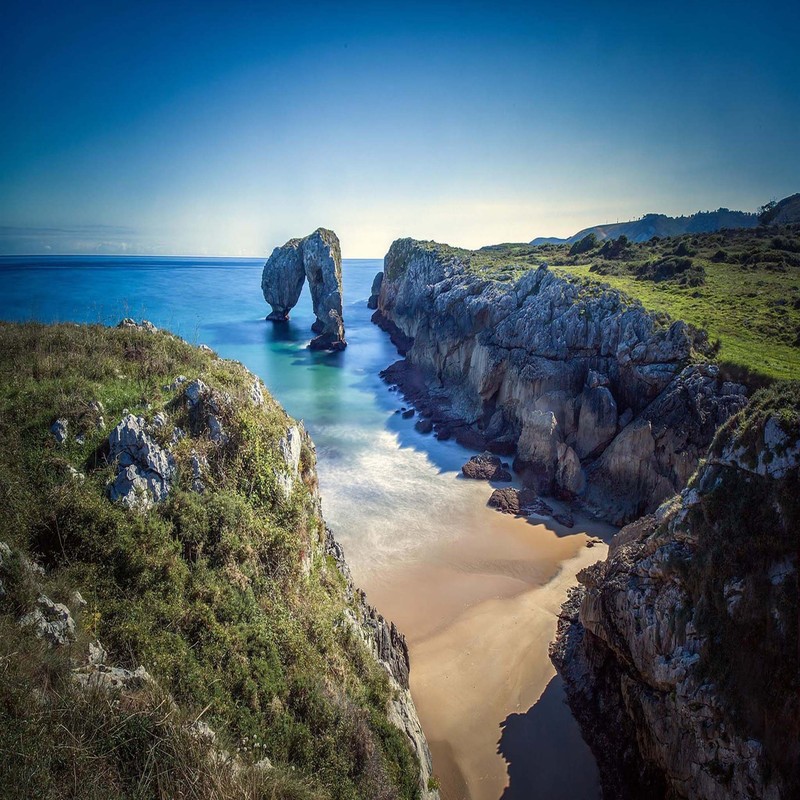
{"x": 443, "y": 433}
{"x": 564, "y": 518}
{"x": 317, "y": 258}
{"x": 424, "y": 425}
{"x": 486, "y": 467}
{"x": 512, "y": 501}
{"x": 475, "y": 440}
{"x": 375, "y": 291}
{"x": 408, "y": 413}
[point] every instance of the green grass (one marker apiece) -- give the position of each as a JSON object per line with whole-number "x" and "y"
{"x": 207, "y": 591}
{"x": 741, "y": 286}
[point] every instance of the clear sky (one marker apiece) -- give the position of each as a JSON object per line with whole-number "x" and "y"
{"x": 227, "y": 128}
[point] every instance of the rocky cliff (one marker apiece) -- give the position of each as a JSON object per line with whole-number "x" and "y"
{"x": 318, "y": 259}
{"x": 237, "y": 658}
{"x": 602, "y": 402}
{"x": 680, "y": 651}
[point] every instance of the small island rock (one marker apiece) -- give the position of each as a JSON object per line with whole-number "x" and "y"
{"x": 318, "y": 259}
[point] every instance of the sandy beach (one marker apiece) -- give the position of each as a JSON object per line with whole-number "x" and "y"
{"x": 479, "y": 610}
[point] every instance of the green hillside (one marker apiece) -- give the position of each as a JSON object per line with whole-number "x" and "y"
{"x": 222, "y": 593}
{"x": 741, "y": 286}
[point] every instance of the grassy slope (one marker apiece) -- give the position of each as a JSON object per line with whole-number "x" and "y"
{"x": 748, "y": 300}
{"x": 206, "y": 591}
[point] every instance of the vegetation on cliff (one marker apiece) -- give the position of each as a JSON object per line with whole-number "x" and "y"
{"x": 741, "y": 286}
{"x": 221, "y": 591}
{"x": 742, "y": 577}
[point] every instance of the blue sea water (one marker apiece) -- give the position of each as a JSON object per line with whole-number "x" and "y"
{"x": 388, "y": 491}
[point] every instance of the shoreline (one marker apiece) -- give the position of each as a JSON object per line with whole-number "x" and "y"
{"x": 479, "y": 611}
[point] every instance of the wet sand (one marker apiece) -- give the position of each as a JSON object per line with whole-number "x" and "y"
{"x": 478, "y": 610}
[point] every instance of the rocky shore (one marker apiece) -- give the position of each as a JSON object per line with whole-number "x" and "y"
{"x": 680, "y": 651}
{"x": 601, "y": 402}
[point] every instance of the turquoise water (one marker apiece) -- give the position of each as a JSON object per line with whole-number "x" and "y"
{"x": 390, "y": 494}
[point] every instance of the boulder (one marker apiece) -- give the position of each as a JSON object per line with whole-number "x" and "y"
{"x": 423, "y": 425}
{"x": 145, "y": 471}
{"x": 132, "y": 324}
{"x": 375, "y": 291}
{"x": 486, "y": 467}
{"x": 512, "y": 501}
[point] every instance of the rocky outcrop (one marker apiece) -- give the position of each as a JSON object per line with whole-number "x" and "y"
{"x": 318, "y": 259}
{"x": 50, "y": 621}
{"x": 283, "y": 278}
{"x": 568, "y": 375}
{"x": 679, "y": 652}
{"x": 144, "y": 470}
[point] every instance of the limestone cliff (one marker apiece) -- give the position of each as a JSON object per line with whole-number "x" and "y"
{"x": 680, "y": 651}
{"x": 318, "y": 259}
{"x": 601, "y": 401}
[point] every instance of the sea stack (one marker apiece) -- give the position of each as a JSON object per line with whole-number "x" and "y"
{"x": 318, "y": 258}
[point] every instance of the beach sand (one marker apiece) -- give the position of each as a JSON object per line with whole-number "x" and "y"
{"x": 479, "y": 610}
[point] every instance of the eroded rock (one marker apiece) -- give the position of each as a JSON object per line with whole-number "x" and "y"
{"x": 318, "y": 259}
{"x": 375, "y": 291}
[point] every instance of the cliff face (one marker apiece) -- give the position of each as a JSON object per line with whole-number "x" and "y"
{"x": 680, "y": 651}
{"x": 186, "y": 536}
{"x": 600, "y": 400}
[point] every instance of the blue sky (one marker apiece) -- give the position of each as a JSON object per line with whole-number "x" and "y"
{"x": 227, "y": 128}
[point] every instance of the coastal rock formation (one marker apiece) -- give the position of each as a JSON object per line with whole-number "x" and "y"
{"x": 234, "y": 546}
{"x": 604, "y": 403}
{"x": 679, "y": 652}
{"x": 318, "y": 259}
